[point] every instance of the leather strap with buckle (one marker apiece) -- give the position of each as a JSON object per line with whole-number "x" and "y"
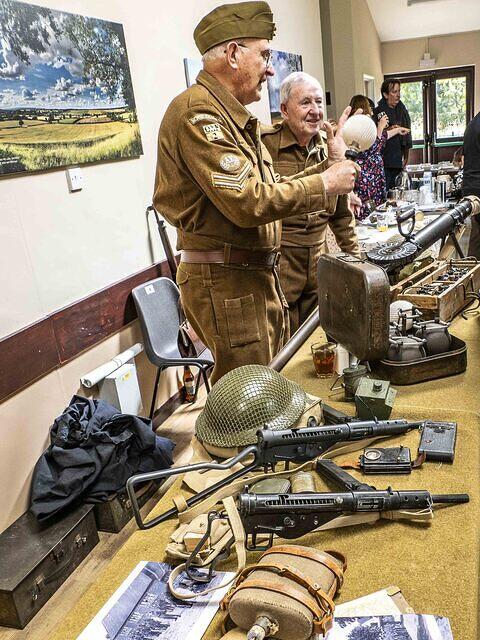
{"x": 241, "y": 257}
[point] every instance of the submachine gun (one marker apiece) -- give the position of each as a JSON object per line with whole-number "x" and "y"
{"x": 272, "y": 447}
{"x": 292, "y": 515}
{"x": 392, "y": 256}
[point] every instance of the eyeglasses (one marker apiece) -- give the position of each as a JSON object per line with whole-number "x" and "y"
{"x": 266, "y": 55}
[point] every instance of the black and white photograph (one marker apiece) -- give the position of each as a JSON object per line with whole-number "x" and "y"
{"x": 395, "y": 627}
{"x": 143, "y": 608}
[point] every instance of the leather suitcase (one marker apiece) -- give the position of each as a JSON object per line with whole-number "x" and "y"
{"x": 114, "y": 514}
{"x": 35, "y": 560}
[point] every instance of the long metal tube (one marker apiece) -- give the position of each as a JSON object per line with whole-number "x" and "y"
{"x": 296, "y": 341}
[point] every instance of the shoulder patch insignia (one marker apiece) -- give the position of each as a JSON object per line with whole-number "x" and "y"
{"x": 213, "y": 132}
{"x": 228, "y": 181}
{"x": 230, "y": 162}
{"x": 198, "y": 117}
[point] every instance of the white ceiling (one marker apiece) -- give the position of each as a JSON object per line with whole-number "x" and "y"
{"x": 395, "y": 20}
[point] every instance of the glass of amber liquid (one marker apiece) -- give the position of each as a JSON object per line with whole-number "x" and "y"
{"x": 323, "y": 358}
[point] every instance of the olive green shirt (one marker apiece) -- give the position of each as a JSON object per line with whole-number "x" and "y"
{"x": 215, "y": 179}
{"x": 309, "y": 228}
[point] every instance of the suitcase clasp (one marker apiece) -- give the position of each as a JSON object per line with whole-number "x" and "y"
{"x": 37, "y": 587}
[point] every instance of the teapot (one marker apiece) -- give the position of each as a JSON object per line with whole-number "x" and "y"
{"x": 435, "y": 334}
{"x": 405, "y": 349}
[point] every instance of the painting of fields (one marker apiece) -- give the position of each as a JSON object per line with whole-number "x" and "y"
{"x": 66, "y": 94}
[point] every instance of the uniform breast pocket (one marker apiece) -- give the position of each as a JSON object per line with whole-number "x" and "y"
{"x": 242, "y": 322}
{"x": 269, "y": 169}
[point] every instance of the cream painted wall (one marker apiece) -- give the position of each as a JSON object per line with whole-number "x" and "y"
{"x": 367, "y": 47}
{"x": 58, "y": 247}
{"x": 453, "y": 50}
{"x": 352, "y": 49}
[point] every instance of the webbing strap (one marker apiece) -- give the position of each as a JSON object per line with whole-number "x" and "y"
{"x": 230, "y": 490}
{"x": 239, "y": 536}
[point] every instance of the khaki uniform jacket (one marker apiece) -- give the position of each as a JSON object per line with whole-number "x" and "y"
{"x": 215, "y": 180}
{"x": 309, "y": 229}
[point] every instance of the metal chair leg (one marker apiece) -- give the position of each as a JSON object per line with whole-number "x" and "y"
{"x": 205, "y": 377}
{"x": 155, "y": 390}
{"x": 197, "y": 384}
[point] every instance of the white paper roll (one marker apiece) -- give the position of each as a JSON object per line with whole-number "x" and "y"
{"x": 91, "y": 378}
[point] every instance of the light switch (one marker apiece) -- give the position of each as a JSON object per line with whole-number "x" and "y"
{"x": 75, "y": 179}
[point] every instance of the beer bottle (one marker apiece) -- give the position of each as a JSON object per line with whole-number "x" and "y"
{"x": 188, "y": 384}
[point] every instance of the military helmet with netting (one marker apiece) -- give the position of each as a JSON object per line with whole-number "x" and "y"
{"x": 246, "y": 399}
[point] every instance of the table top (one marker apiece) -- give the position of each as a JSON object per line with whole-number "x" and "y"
{"x": 435, "y": 564}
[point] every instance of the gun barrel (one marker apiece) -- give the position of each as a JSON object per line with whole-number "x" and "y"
{"x": 453, "y": 498}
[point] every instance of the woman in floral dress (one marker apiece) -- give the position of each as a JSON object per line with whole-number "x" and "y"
{"x": 370, "y": 184}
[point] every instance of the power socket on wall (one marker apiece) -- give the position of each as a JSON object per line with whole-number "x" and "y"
{"x": 74, "y": 179}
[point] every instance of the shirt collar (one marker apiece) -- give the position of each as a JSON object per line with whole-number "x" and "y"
{"x": 234, "y": 108}
{"x": 287, "y": 138}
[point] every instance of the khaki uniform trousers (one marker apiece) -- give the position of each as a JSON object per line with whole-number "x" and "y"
{"x": 298, "y": 278}
{"x": 238, "y": 312}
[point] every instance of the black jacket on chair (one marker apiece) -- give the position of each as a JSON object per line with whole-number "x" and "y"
{"x": 93, "y": 450}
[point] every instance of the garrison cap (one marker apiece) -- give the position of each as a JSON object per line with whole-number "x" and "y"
{"x": 230, "y": 21}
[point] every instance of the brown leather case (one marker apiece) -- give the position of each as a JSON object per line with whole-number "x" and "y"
{"x": 35, "y": 560}
{"x": 353, "y": 303}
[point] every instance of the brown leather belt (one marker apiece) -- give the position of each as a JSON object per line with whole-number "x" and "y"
{"x": 232, "y": 256}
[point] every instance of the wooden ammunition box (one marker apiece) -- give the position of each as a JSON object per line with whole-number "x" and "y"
{"x": 437, "y": 295}
{"x": 114, "y": 514}
{"x": 35, "y": 560}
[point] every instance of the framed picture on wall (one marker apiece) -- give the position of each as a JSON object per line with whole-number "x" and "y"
{"x": 284, "y": 63}
{"x": 193, "y": 66}
{"x": 66, "y": 92}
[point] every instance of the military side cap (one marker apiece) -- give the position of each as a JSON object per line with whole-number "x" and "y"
{"x": 230, "y": 21}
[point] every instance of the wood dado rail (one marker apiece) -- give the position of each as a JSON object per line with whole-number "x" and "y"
{"x": 41, "y": 347}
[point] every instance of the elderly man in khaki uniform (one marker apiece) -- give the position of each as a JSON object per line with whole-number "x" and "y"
{"x": 216, "y": 184}
{"x": 295, "y": 144}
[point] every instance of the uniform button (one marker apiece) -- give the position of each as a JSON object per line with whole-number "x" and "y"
{"x": 248, "y": 127}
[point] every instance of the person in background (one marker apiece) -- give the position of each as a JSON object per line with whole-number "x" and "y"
{"x": 370, "y": 184}
{"x": 457, "y": 161}
{"x": 396, "y": 150}
{"x": 295, "y": 143}
{"x": 471, "y": 177}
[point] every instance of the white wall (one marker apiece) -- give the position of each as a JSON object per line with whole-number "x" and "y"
{"x": 58, "y": 247}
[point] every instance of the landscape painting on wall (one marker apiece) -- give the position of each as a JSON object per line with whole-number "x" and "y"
{"x": 66, "y": 93}
{"x": 284, "y": 63}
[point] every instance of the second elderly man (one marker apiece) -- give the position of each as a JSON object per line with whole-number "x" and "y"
{"x": 295, "y": 144}
{"x": 216, "y": 184}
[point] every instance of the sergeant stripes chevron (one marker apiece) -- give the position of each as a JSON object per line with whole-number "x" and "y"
{"x": 229, "y": 181}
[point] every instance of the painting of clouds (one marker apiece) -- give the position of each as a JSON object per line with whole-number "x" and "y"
{"x": 283, "y": 63}
{"x": 66, "y": 94}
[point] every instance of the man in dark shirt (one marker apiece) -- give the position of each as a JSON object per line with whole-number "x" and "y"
{"x": 471, "y": 177}
{"x": 395, "y": 154}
